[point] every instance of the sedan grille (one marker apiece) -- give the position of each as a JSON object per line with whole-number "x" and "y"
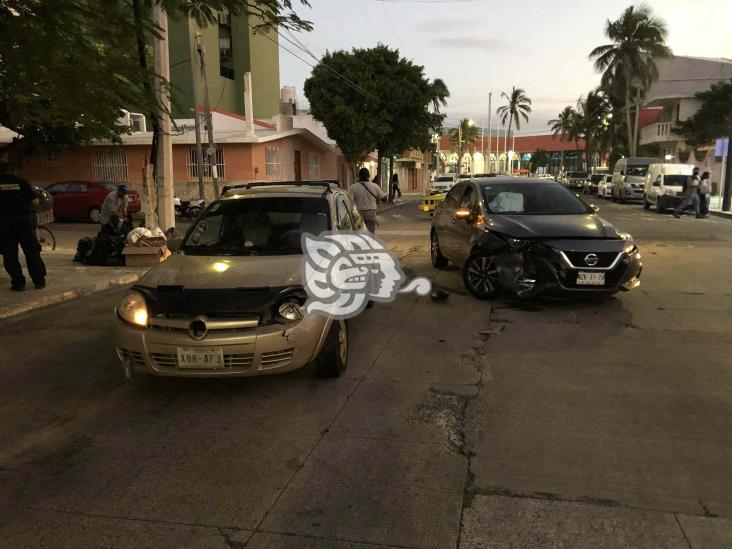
{"x": 605, "y": 259}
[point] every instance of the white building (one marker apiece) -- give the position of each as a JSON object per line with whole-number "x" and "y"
{"x": 673, "y": 94}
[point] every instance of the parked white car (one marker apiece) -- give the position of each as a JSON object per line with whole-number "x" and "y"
{"x": 605, "y": 186}
{"x": 664, "y": 185}
{"x": 442, "y": 183}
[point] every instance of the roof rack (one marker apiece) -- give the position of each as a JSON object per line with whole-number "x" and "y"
{"x": 327, "y": 183}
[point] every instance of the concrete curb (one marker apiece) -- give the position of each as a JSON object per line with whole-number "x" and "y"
{"x": 726, "y": 215}
{"x": 53, "y": 299}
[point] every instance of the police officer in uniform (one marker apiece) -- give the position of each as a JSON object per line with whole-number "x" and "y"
{"x": 17, "y": 227}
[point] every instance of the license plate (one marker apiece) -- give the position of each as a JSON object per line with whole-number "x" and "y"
{"x": 590, "y": 279}
{"x": 208, "y": 359}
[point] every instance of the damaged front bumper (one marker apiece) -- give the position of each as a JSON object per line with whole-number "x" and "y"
{"x": 541, "y": 269}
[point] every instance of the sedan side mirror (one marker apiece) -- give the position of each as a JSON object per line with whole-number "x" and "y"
{"x": 463, "y": 214}
{"x": 595, "y": 208}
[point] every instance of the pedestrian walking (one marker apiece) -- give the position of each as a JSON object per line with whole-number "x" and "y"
{"x": 705, "y": 190}
{"x": 691, "y": 195}
{"x": 114, "y": 207}
{"x": 395, "y": 190}
{"x": 366, "y": 195}
{"x": 18, "y": 228}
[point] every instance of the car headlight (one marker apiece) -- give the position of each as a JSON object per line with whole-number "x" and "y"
{"x": 133, "y": 309}
{"x": 291, "y": 311}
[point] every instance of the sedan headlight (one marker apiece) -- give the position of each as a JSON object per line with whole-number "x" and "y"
{"x": 133, "y": 309}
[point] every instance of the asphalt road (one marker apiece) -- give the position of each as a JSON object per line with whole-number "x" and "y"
{"x": 553, "y": 424}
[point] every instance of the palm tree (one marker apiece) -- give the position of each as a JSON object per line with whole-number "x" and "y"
{"x": 439, "y": 94}
{"x": 518, "y": 107}
{"x": 591, "y": 120}
{"x": 467, "y": 133}
{"x": 562, "y": 127}
{"x": 629, "y": 61}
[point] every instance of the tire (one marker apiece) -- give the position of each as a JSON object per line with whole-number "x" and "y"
{"x": 659, "y": 208}
{"x": 46, "y": 239}
{"x": 646, "y": 204}
{"x": 95, "y": 214}
{"x": 480, "y": 277}
{"x": 439, "y": 261}
{"x": 333, "y": 357}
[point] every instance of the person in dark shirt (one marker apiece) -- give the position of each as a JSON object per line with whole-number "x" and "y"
{"x": 17, "y": 228}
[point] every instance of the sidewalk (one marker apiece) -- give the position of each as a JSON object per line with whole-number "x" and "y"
{"x": 66, "y": 280}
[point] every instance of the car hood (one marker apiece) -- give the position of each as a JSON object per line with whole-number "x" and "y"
{"x": 217, "y": 272}
{"x": 552, "y": 226}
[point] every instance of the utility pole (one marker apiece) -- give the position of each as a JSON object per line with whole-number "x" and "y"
{"x": 164, "y": 168}
{"x": 196, "y": 113}
{"x": 211, "y": 150}
{"x": 490, "y": 116}
{"x": 727, "y": 192}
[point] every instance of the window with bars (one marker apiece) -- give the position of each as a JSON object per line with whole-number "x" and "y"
{"x": 109, "y": 164}
{"x": 192, "y": 165}
{"x": 313, "y": 165}
{"x": 272, "y": 162}
{"x": 51, "y": 159}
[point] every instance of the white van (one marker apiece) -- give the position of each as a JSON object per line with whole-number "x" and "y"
{"x": 664, "y": 186}
{"x": 442, "y": 183}
{"x": 629, "y": 177}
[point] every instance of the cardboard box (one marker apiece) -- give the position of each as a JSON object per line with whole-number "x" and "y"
{"x": 144, "y": 256}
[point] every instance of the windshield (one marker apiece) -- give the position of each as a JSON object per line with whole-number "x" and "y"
{"x": 675, "y": 180}
{"x": 637, "y": 171}
{"x": 532, "y": 199}
{"x": 444, "y": 179}
{"x": 597, "y": 177}
{"x": 577, "y": 175}
{"x": 257, "y": 226}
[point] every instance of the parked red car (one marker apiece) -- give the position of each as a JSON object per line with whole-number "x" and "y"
{"x": 82, "y": 200}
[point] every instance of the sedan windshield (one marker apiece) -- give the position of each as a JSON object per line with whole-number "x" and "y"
{"x": 532, "y": 199}
{"x": 257, "y": 226}
{"x": 637, "y": 170}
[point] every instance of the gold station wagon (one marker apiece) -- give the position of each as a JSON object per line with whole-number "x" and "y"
{"x": 230, "y": 301}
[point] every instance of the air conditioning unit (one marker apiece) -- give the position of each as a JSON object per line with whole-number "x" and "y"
{"x": 134, "y": 120}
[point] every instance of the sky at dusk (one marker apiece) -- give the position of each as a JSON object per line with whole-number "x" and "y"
{"x": 477, "y": 46}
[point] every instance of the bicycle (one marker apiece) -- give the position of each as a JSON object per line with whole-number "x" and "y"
{"x": 44, "y": 235}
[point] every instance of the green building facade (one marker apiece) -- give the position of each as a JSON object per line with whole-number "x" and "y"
{"x": 232, "y": 48}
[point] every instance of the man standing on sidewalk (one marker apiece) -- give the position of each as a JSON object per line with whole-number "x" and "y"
{"x": 17, "y": 228}
{"x": 691, "y": 195}
{"x": 115, "y": 205}
{"x": 366, "y": 194}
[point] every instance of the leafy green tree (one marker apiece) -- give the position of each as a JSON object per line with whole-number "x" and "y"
{"x": 563, "y": 127}
{"x": 540, "y": 159}
{"x": 465, "y": 134}
{"x": 69, "y": 67}
{"x": 374, "y": 98}
{"x": 714, "y": 117}
{"x": 629, "y": 62}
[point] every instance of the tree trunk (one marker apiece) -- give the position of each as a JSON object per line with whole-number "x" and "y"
{"x": 561, "y": 161}
{"x": 637, "y": 117}
{"x": 380, "y": 159}
{"x": 137, "y": 10}
{"x": 391, "y": 175}
{"x": 509, "y": 161}
{"x": 631, "y": 143}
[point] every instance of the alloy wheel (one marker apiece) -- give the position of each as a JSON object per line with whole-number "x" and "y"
{"x": 482, "y": 275}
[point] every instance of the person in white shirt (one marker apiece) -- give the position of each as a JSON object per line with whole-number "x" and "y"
{"x": 366, "y": 195}
{"x": 115, "y": 205}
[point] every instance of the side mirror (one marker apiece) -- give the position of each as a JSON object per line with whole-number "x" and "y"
{"x": 174, "y": 244}
{"x": 462, "y": 213}
{"x": 595, "y": 208}
{"x": 657, "y": 183}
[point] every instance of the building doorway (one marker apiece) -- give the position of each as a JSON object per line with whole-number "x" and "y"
{"x": 298, "y": 166}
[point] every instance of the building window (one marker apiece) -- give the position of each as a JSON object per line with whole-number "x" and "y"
{"x": 109, "y": 164}
{"x": 51, "y": 159}
{"x": 313, "y": 165}
{"x": 272, "y": 159}
{"x": 192, "y": 165}
{"x": 226, "y": 56}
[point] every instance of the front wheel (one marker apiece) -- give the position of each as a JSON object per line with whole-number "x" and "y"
{"x": 439, "y": 261}
{"x": 46, "y": 239}
{"x": 646, "y": 204}
{"x": 480, "y": 275}
{"x": 333, "y": 357}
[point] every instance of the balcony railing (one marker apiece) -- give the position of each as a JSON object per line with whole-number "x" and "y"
{"x": 657, "y": 133}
